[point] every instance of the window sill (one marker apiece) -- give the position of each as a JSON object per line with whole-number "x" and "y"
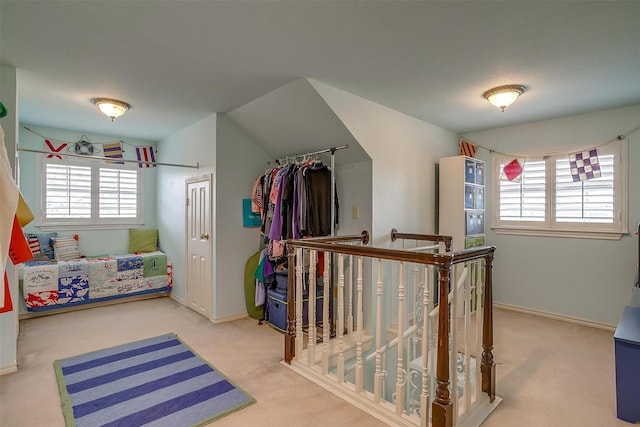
{"x": 560, "y": 233}
{"x": 79, "y": 227}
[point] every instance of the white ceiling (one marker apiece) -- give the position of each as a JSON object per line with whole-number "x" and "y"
{"x": 177, "y": 62}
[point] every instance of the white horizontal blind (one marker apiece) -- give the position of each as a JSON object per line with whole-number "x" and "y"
{"x": 67, "y": 191}
{"x": 83, "y": 193}
{"x": 524, "y": 200}
{"x": 590, "y": 201}
{"x": 118, "y": 193}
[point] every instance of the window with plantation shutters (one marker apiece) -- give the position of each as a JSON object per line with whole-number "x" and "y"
{"x": 547, "y": 201}
{"x": 78, "y": 193}
{"x": 118, "y": 195}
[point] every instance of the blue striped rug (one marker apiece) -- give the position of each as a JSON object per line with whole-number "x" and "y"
{"x": 154, "y": 382}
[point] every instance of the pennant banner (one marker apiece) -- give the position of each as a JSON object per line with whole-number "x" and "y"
{"x": 55, "y": 149}
{"x": 512, "y": 171}
{"x": 467, "y": 148}
{"x": 113, "y": 150}
{"x": 584, "y": 165}
{"x": 145, "y": 154}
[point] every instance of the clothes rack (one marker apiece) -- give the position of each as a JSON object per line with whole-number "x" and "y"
{"x": 331, "y": 150}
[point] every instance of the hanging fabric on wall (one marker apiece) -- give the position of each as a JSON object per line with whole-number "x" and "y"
{"x": 57, "y": 148}
{"x": 146, "y": 154}
{"x": 584, "y": 165}
{"x": 113, "y": 150}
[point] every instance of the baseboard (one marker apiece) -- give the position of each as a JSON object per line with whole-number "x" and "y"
{"x": 9, "y": 369}
{"x": 229, "y": 318}
{"x": 554, "y": 316}
{"x": 177, "y": 299}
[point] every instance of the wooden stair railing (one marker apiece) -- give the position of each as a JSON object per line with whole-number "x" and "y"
{"x": 442, "y": 409}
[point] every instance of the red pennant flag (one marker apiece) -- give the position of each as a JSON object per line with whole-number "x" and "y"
{"x": 57, "y": 149}
{"x": 512, "y": 171}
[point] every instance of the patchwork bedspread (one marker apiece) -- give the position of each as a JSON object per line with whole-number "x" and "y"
{"x": 47, "y": 285}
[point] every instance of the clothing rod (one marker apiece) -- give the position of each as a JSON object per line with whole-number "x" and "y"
{"x": 328, "y": 150}
{"x": 108, "y": 159}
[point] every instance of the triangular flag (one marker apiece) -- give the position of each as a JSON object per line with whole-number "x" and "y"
{"x": 512, "y": 171}
{"x": 467, "y": 148}
{"x": 60, "y": 146}
{"x": 584, "y": 165}
{"x": 145, "y": 154}
{"x": 113, "y": 150}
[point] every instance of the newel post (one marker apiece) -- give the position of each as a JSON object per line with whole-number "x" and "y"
{"x": 290, "y": 336}
{"x": 442, "y": 408}
{"x": 488, "y": 367}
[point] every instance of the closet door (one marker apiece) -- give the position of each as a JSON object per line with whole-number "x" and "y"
{"x": 199, "y": 246}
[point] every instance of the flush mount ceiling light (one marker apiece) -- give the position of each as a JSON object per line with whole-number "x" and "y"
{"x": 503, "y": 96}
{"x": 112, "y": 108}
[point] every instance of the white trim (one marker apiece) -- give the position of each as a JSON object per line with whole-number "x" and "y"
{"x": 549, "y": 226}
{"x": 94, "y": 222}
{"x": 9, "y": 369}
{"x": 227, "y": 319}
{"x": 559, "y": 233}
{"x": 554, "y": 316}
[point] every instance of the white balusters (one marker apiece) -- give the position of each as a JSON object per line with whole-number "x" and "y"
{"x": 453, "y": 352}
{"x": 298, "y": 302}
{"x": 311, "y": 346}
{"x": 378, "y": 377}
{"x": 340, "y": 327}
{"x": 359, "y": 322}
{"x": 326, "y": 325}
{"x": 350, "y": 297}
{"x": 424, "y": 395}
{"x": 400, "y": 330}
{"x": 478, "y": 340}
{"x": 467, "y": 337}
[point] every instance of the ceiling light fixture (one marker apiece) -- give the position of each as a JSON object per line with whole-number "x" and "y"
{"x": 112, "y": 108}
{"x": 503, "y": 96}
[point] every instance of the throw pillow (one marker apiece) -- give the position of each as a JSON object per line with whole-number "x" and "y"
{"x": 46, "y": 243}
{"x": 66, "y": 248}
{"x": 142, "y": 240}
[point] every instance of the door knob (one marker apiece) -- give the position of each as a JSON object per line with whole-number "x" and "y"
{"x": 204, "y": 236}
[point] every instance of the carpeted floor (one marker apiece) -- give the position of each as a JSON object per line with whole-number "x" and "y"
{"x": 550, "y": 373}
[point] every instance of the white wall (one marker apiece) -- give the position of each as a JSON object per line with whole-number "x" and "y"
{"x": 353, "y": 184}
{"x": 405, "y": 151}
{"x": 239, "y": 162}
{"x": 193, "y": 145}
{"x": 91, "y": 242}
{"x": 581, "y": 278}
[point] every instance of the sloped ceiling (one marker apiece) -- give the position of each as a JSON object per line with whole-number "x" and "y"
{"x": 294, "y": 119}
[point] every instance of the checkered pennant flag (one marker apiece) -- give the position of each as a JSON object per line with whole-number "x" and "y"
{"x": 584, "y": 165}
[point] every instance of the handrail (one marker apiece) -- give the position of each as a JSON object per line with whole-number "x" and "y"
{"x": 445, "y": 259}
{"x": 447, "y": 240}
{"x": 362, "y": 237}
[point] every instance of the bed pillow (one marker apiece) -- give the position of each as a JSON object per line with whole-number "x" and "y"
{"x": 45, "y": 243}
{"x": 142, "y": 240}
{"x": 66, "y": 248}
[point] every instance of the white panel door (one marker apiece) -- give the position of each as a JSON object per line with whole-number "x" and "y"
{"x": 199, "y": 246}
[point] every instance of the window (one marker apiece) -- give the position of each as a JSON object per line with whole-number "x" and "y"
{"x": 546, "y": 201}
{"x": 89, "y": 194}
